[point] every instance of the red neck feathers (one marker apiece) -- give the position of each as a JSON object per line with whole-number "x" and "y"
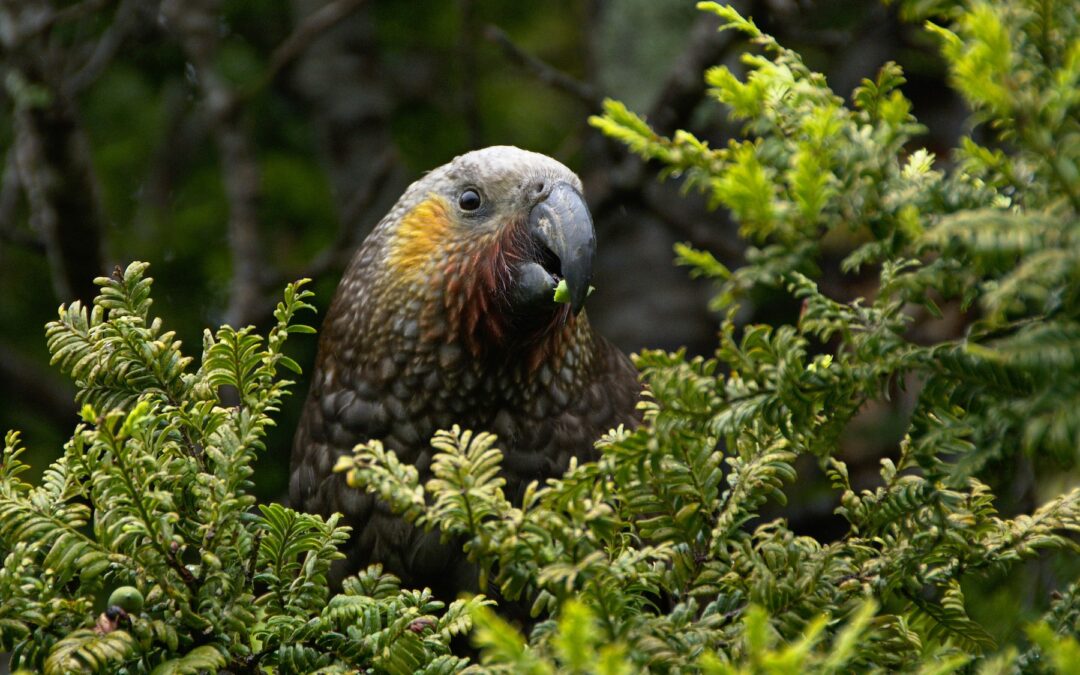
{"x": 478, "y": 307}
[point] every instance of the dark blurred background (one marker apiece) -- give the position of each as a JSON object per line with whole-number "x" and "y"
{"x": 240, "y": 144}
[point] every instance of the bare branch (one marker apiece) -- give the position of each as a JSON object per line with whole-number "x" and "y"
{"x": 24, "y": 240}
{"x": 543, "y": 71}
{"x": 466, "y": 48}
{"x": 684, "y": 87}
{"x": 25, "y": 20}
{"x": 689, "y": 221}
{"x": 9, "y": 191}
{"x": 53, "y": 159}
{"x": 313, "y": 25}
{"x": 337, "y": 254}
{"x": 366, "y": 195}
{"x": 241, "y": 172}
{"x": 624, "y": 179}
{"x": 196, "y": 26}
{"x": 106, "y": 48}
{"x": 9, "y": 202}
{"x": 183, "y": 135}
{"x": 79, "y": 10}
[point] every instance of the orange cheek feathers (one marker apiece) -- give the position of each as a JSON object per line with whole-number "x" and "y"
{"x": 420, "y": 238}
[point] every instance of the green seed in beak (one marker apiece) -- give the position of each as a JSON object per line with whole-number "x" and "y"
{"x": 562, "y": 292}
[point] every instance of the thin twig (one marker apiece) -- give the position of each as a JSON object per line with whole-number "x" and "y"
{"x": 79, "y": 10}
{"x": 241, "y": 173}
{"x": 684, "y": 88}
{"x": 625, "y": 179}
{"x": 23, "y": 240}
{"x": 183, "y": 135}
{"x": 365, "y": 195}
{"x": 38, "y": 20}
{"x": 9, "y": 202}
{"x": 237, "y": 154}
{"x": 313, "y": 25}
{"x": 663, "y": 201}
{"x": 196, "y": 26}
{"x": 543, "y": 71}
{"x": 253, "y": 559}
{"x": 338, "y": 253}
{"x": 105, "y": 49}
{"x": 61, "y": 191}
{"x": 466, "y": 47}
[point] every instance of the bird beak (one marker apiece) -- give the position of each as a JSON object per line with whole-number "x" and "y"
{"x": 561, "y": 224}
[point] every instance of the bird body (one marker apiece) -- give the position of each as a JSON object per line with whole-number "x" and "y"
{"x": 446, "y": 315}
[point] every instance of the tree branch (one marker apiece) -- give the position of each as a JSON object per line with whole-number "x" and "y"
{"x": 61, "y": 189}
{"x": 242, "y": 180}
{"x": 542, "y": 70}
{"x": 104, "y": 50}
{"x": 466, "y": 49}
{"x": 9, "y": 202}
{"x": 79, "y": 10}
{"x": 625, "y": 178}
{"x": 196, "y": 27}
{"x": 337, "y": 254}
{"x": 31, "y": 20}
{"x": 684, "y": 88}
{"x": 51, "y": 153}
{"x": 306, "y": 32}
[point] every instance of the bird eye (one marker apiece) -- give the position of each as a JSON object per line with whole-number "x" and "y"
{"x": 469, "y": 200}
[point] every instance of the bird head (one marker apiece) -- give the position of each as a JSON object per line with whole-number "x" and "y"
{"x": 488, "y": 238}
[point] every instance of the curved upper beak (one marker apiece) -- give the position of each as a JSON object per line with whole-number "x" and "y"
{"x": 561, "y": 223}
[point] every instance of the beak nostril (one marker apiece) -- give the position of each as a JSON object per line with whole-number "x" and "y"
{"x": 538, "y": 187}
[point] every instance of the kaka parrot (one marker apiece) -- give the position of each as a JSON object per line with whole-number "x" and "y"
{"x": 447, "y": 315}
